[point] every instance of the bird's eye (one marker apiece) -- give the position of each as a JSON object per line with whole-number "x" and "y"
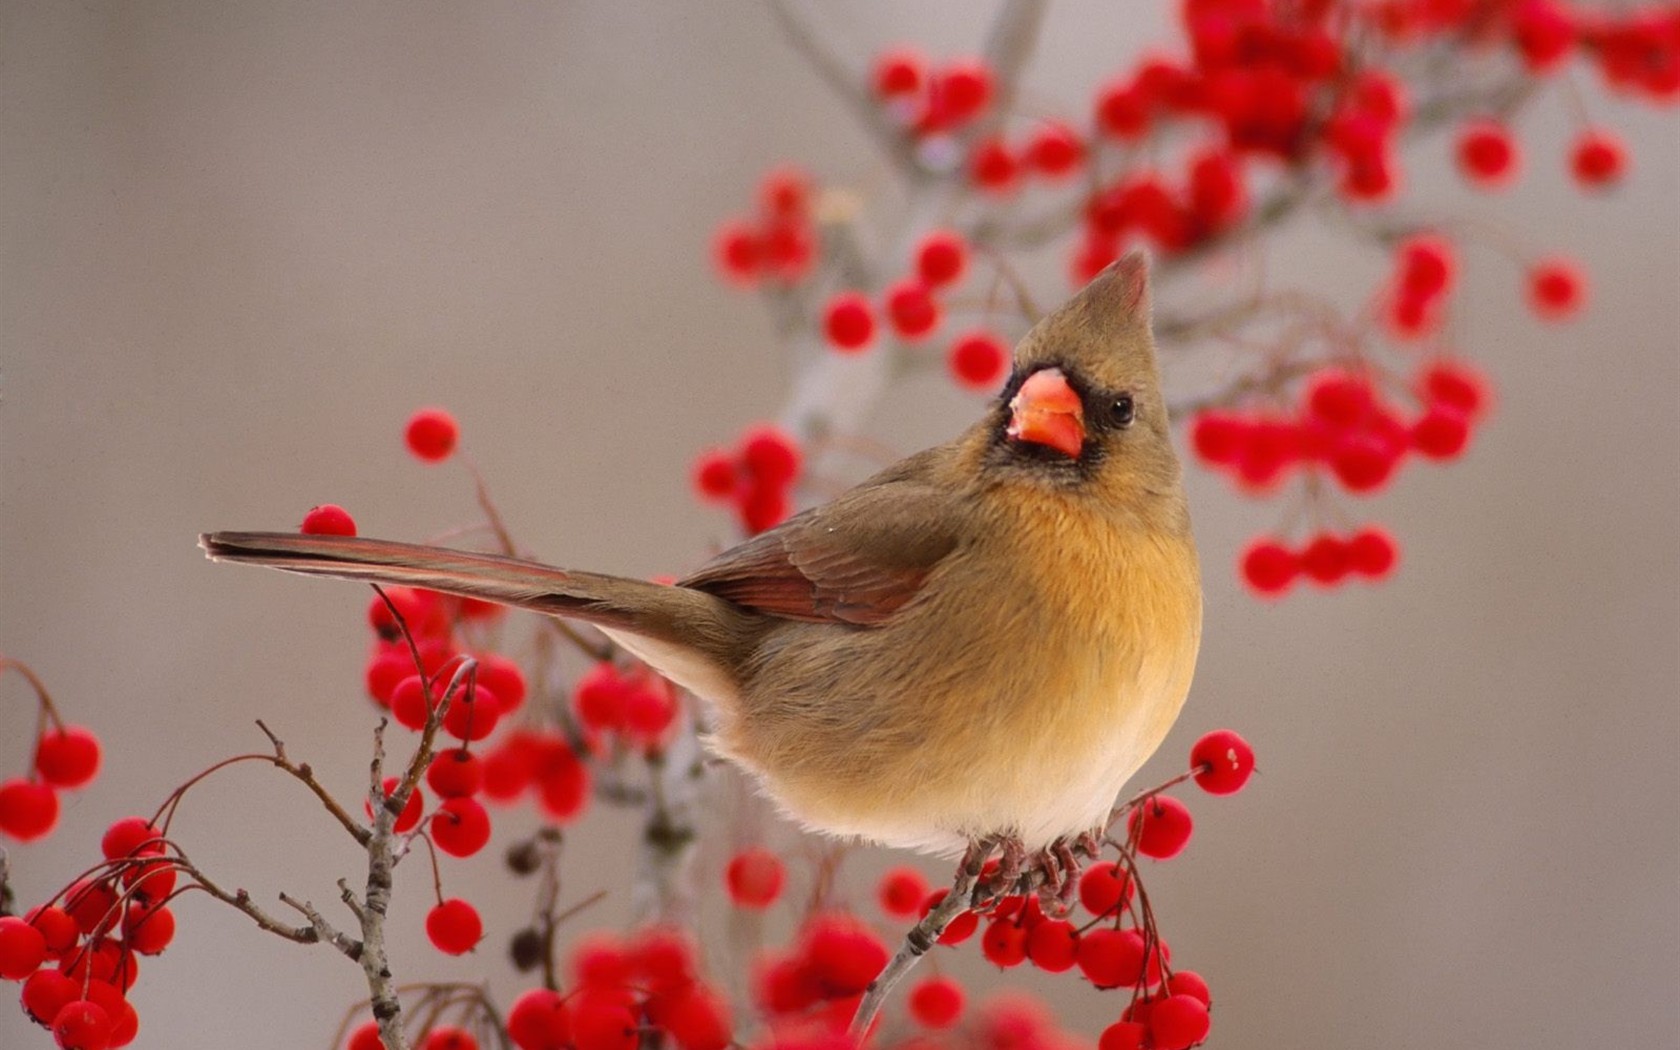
{"x": 1122, "y": 410}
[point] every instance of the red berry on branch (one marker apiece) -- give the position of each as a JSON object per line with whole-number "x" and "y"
{"x": 1598, "y": 158}
{"x": 911, "y": 309}
{"x": 431, "y": 435}
{"x": 1269, "y": 567}
{"x": 1160, "y": 825}
{"x": 994, "y": 166}
{"x": 1544, "y": 32}
{"x": 1111, "y": 958}
{"x": 739, "y": 252}
{"x": 409, "y": 705}
{"x": 1105, "y": 888}
{"x": 411, "y": 810}
{"x": 754, "y": 878}
{"x": 148, "y": 930}
{"x": 936, "y": 1002}
{"x": 789, "y": 249}
{"x": 941, "y": 258}
{"x": 1380, "y": 95}
{"x": 473, "y": 713}
{"x": 28, "y": 811}
{"x": 696, "y": 1017}
{"x": 45, "y": 993}
{"x": 599, "y": 697}
{"x": 771, "y": 456}
{"x": 82, "y": 1025}
{"x": 328, "y": 519}
{"x": 563, "y": 783}
{"x": 715, "y": 476}
{"x": 1487, "y": 154}
{"x": 964, "y": 90}
{"x": 845, "y": 955}
{"x": 1426, "y": 265}
{"x": 762, "y": 507}
{"x": 1122, "y": 111}
{"x": 23, "y": 948}
{"x": 1178, "y": 1022}
{"x": 385, "y": 668}
{"x": 1441, "y": 433}
{"x": 1053, "y": 945}
{"x": 1124, "y": 1035}
{"x": 1372, "y": 552}
{"x": 1189, "y": 982}
{"x": 460, "y": 827}
{"x": 601, "y": 960}
{"x": 1217, "y": 194}
{"x": 1556, "y": 289}
{"x": 785, "y": 193}
{"x": 1004, "y": 943}
{"x": 1218, "y": 436}
{"x": 978, "y": 360}
{"x": 1223, "y": 762}
{"x": 1339, "y": 398}
{"x": 453, "y": 927}
{"x": 365, "y": 1037}
{"x": 1363, "y": 463}
{"x": 504, "y": 678}
{"x": 1054, "y": 150}
{"x": 1456, "y": 384}
{"x": 601, "y": 1022}
{"x": 449, "y": 1037}
{"x": 650, "y": 709}
{"x": 67, "y": 757}
{"x": 901, "y": 892}
{"x": 849, "y": 322}
{"x": 455, "y": 772}
{"x": 539, "y": 1020}
{"x": 1325, "y": 559}
{"x": 898, "y": 72}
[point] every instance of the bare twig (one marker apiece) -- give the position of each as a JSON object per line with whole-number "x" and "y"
{"x": 306, "y": 775}
{"x": 324, "y": 930}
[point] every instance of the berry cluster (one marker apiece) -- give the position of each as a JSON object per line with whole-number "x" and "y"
{"x": 78, "y": 954}
{"x": 66, "y": 758}
{"x": 756, "y": 477}
{"x": 778, "y": 244}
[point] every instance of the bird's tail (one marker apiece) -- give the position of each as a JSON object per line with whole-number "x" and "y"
{"x": 650, "y": 610}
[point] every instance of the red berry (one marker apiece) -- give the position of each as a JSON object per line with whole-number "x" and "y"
{"x": 1455, "y": 383}
{"x": 431, "y": 435}
{"x": 978, "y": 360}
{"x": 754, "y": 878}
{"x": 1269, "y": 567}
{"x": 960, "y": 928}
{"x": 1544, "y": 32}
{"x": 328, "y": 519}
{"x": 1363, "y": 464}
{"x": 1160, "y": 825}
{"x": 598, "y": 697}
{"x": 771, "y": 454}
{"x": 1441, "y": 433}
{"x": 454, "y": 926}
{"x": 472, "y": 714}
{"x": 1372, "y": 552}
{"x": 785, "y": 193}
{"x": 67, "y": 757}
{"x": 845, "y": 956}
{"x": 504, "y": 678}
{"x": 1556, "y": 289}
{"x": 849, "y": 322}
{"x": 1217, "y": 194}
{"x": 1124, "y": 1035}
{"x": 1122, "y": 111}
{"x": 1598, "y": 158}
{"x": 1004, "y": 943}
{"x": 1111, "y": 958}
{"x": 1487, "y": 154}
{"x": 23, "y": 948}
{"x": 738, "y": 251}
{"x": 650, "y": 709}
{"x": 898, "y": 72}
{"x": 1339, "y": 398}
{"x": 1189, "y": 982}
{"x": 789, "y": 249}
{"x": 460, "y": 827}
{"x": 28, "y": 811}
{"x": 449, "y": 1037}
{"x": 128, "y": 837}
{"x": 715, "y": 477}
{"x": 411, "y": 811}
{"x": 1325, "y": 559}
{"x": 1218, "y": 436}
{"x": 994, "y": 166}
{"x": 365, "y": 1037}
{"x": 964, "y": 89}
{"x": 1054, "y": 150}
{"x": 1223, "y": 761}
{"x": 696, "y": 1017}
{"x": 539, "y": 1020}
{"x": 409, "y": 705}
{"x": 385, "y": 668}
{"x": 455, "y": 773}
{"x": 763, "y": 507}
{"x": 1053, "y": 945}
{"x": 941, "y": 258}
{"x": 1105, "y": 888}
{"x": 602, "y": 1023}
{"x": 1177, "y": 1022}
{"x": 901, "y": 892}
{"x": 911, "y": 309}
{"x": 82, "y": 1025}
{"x": 45, "y": 993}
{"x": 600, "y": 960}
{"x": 1426, "y": 265}
{"x": 57, "y": 927}
{"x": 663, "y": 957}
{"x": 936, "y": 1002}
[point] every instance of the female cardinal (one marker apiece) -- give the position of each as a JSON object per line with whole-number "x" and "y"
{"x": 978, "y": 644}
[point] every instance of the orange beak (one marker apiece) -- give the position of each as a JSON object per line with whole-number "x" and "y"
{"x": 1046, "y": 411}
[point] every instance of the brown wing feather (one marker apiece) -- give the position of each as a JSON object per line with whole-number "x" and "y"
{"x": 857, "y": 560}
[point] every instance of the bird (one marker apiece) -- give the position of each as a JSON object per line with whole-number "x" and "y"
{"x": 979, "y": 644}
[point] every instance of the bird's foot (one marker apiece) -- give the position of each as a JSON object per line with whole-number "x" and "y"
{"x": 1002, "y": 879}
{"x": 1060, "y": 868}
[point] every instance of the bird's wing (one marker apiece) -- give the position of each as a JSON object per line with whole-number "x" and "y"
{"x": 857, "y": 560}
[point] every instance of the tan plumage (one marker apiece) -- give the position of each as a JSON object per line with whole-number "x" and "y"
{"x": 987, "y": 638}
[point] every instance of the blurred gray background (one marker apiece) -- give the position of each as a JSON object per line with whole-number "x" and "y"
{"x": 242, "y": 241}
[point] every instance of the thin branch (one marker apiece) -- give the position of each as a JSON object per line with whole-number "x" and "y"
{"x": 306, "y": 775}
{"x": 324, "y": 930}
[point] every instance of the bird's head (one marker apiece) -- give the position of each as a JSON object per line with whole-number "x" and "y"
{"x": 1083, "y": 407}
